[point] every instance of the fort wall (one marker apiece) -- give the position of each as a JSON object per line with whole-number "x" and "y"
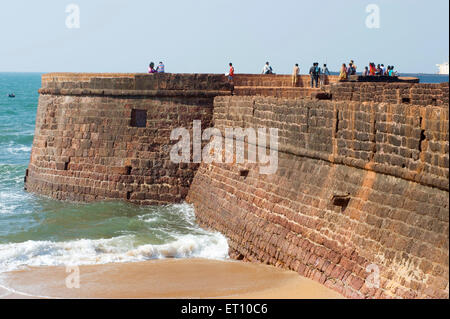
{"x": 275, "y": 80}
{"x": 361, "y": 190}
{"x": 107, "y": 136}
{"x": 397, "y": 93}
{"x": 360, "y": 186}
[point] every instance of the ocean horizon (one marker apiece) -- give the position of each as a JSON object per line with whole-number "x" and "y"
{"x": 423, "y": 77}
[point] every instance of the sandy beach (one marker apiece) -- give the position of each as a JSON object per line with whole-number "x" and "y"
{"x": 169, "y": 278}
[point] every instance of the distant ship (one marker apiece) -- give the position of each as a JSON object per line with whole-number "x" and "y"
{"x": 11, "y": 95}
{"x": 443, "y": 68}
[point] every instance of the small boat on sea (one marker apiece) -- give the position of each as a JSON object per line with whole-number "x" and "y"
{"x": 11, "y": 95}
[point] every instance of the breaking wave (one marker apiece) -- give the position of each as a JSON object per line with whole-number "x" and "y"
{"x": 120, "y": 249}
{"x": 169, "y": 232}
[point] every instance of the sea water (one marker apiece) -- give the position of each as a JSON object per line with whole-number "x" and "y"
{"x": 427, "y": 78}
{"x": 37, "y": 231}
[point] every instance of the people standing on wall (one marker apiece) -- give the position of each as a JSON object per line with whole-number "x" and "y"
{"x": 383, "y": 70}
{"x": 323, "y": 74}
{"x": 295, "y": 75}
{"x": 314, "y": 72}
{"x": 151, "y": 68}
{"x": 343, "y": 74}
{"x": 391, "y": 72}
{"x": 378, "y": 70}
{"x": 372, "y": 68}
{"x": 366, "y": 71}
{"x": 351, "y": 69}
{"x": 267, "y": 69}
{"x": 230, "y": 73}
{"x": 160, "y": 68}
{"x": 354, "y": 67}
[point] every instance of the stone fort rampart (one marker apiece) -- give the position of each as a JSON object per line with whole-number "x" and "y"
{"x": 361, "y": 190}
{"x": 107, "y": 136}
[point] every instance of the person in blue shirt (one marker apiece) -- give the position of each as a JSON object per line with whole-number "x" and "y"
{"x": 314, "y": 72}
{"x": 160, "y": 68}
{"x": 391, "y": 71}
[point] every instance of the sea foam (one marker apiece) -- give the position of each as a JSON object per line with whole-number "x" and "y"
{"x": 191, "y": 242}
{"x": 119, "y": 249}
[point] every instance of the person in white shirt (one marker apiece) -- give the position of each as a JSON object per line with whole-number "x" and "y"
{"x": 323, "y": 74}
{"x": 267, "y": 69}
{"x": 295, "y": 75}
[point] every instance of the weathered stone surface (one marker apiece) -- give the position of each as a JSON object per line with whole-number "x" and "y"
{"x": 378, "y": 156}
{"x": 88, "y": 147}
{"x": 273, "y": 80}
{"x": 403, "y": 141}
{"x": 396, "y": 93}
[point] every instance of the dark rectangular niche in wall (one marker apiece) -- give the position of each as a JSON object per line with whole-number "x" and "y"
{"x": 244, "y": 173}
{"x": 341, "y": 200}
{"x": 138, "y": 118}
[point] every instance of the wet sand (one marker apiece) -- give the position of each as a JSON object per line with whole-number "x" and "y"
{"x": 170, "y": 278}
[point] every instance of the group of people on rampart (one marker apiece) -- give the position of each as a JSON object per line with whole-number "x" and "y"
{"x": 379, "y": 70}
{"x": 317, "y": 74}
{"x": 371, "y": 70}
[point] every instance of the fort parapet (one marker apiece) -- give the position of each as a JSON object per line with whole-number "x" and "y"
{"x": 107, "y": 136}
{"x": 360, "y": 199}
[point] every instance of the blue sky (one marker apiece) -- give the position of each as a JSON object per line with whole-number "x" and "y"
{"x": 204, "y": 35}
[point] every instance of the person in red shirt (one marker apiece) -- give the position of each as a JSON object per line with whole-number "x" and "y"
{"x": 372, "y": 69}
{"x": 231, "y": 72}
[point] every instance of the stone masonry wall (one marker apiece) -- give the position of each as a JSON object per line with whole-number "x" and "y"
{"x": 276, "y": 85}
{"x": 401, "y": 93}
{"x": 360, "y": 186}
{"x": 362, "y": 181}
{"x": 407, "y": 141}
{"x": 275, "y": 80}
{"x": 101, "y": 136}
